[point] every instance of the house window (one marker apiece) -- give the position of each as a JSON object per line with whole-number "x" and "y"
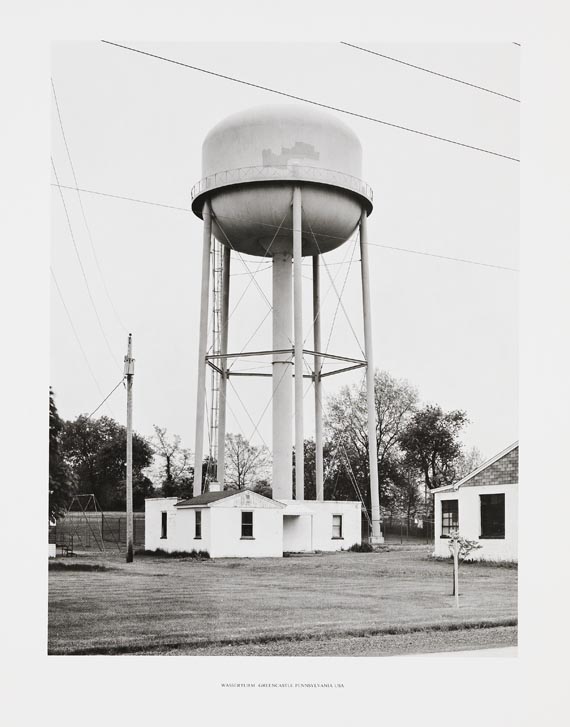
{"x": 337, "y": 527}
{"x": 247, "y": 525}
{"x": 493, "y": 516}
{"x": 449, "y": 517}
{"x": 198, "y": 525}
{"x": 163, "y": 525}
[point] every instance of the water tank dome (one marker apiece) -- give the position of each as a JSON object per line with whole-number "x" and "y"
{"x": 251, "y": 162}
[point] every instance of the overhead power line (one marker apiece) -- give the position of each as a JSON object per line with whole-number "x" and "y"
{"x": 288, "y": 229}
{"x": 427, "y": 70}
{"x": 82, "y": 209}
{"x": 127, "y": 199}
{"x": 443, "y": 257}
{"x": 82, "y": 268}
{"x": 70, "y": 319}
{"x": 314, "y": 103}
{"x": 105, "y": 399}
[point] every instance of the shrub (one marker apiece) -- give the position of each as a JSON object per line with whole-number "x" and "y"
{"x": 361, "y": 548}
{"x": 159, "y": 553}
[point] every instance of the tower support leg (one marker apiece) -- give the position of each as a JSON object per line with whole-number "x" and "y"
{"x": 202, "y": 345}
{"x": 221, "y": 469}
{"x": 318, "y": 380}
{"x": 370, "y": 398}
{"x": 298, "y": 345}
{"x": 282, "y": 375}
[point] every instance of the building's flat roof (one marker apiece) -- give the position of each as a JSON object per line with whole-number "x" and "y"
{"x": 296, "y": 507}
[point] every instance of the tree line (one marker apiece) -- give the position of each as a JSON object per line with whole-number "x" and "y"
{"x": 419, "y": 448}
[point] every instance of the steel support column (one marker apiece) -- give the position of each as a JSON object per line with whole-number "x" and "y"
{"x": 370, "y": 398}
{"x": 318, "y": 384}
{"x": 202, "y": 347}
{"x": 221, "y": 469}
{"x": 298, "y": 345}
{"x": 282, "y": 377}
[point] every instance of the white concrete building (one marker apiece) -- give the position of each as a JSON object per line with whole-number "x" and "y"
{"x": 325, "y": 525}
{"x": 245, "y": 524}
{"x": 483, "y": 506}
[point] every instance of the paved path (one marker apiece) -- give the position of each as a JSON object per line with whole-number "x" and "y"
{"x": 509, "y": 651}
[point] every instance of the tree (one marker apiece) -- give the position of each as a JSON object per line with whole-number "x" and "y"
{"x": 332, "y": 467}
{"x": 61, "y": 489}
{"x": 460, "y": 547}
{"x": 403, "y": 497}
{"x": 263, "y": 487}
{"x": 346, "y": 425}
{"x": 467, "y": 462}
{"x": 309, "y": 473}
{"x": 95, "y": 452}
{"x": 246, "y": 464}
{"x": 431, "y": 445}
{"x": 173, "y": 471}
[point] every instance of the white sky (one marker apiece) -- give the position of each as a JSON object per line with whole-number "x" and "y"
{"x": 135, "y": 125}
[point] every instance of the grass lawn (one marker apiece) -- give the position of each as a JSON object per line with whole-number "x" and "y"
{"x": 399, "y": 600}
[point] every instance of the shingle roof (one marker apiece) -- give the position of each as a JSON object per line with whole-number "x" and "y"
{"x": 477, "y": 470}
{"x": 208, "y": 497}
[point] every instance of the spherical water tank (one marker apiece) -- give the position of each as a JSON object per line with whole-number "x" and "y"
{"x": 251, "y": 162}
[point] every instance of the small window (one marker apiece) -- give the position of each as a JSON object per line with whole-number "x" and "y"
{"x": 449, "y": 517}
{"x": 198, "y": 525}
{"x": 493, "y": 516}
{"x": 247, "y": 525}
{"x": 163, "y": 525}
{"x": 337, "y": 527}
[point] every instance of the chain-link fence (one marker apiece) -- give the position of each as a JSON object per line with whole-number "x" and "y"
{"x": 96, "y": 531}
{"x": 400, "y": 530}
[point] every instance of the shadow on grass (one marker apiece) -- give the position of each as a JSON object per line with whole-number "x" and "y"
{"x": 507, "y": 564}
{"x": 60, "y": 565}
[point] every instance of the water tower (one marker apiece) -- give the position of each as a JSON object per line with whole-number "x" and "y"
{"x": 283, "y": 182}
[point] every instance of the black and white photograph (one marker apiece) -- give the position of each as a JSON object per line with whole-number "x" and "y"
{"x": 296, "y": 333}
{"x": 243, "y": 272}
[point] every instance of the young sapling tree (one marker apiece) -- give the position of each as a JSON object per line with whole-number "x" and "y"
{"x": 460, "y": 548}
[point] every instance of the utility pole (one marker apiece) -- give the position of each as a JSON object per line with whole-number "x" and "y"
{"x": 129, "y": 373}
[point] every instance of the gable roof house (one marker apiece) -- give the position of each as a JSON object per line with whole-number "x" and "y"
{"x": 483, "y": 506}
